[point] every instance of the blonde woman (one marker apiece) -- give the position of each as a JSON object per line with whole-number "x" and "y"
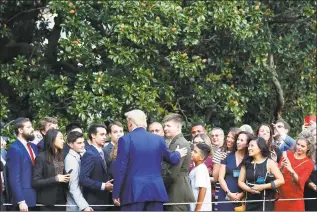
{"x": 296, "y": 168}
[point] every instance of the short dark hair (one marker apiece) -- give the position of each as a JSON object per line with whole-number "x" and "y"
{"x": 19, "y": 123}
{"x": 114, "y": 123}
{"x": 46, "y": 120}
{"x": 286, "y": 125}
{"x": 175, "y": 117}
{"x": 204, "y": 149}
{"x": 93, "y": 129}
{"x": 72, "y": 126}
{"x": 198, "y": 124}
{"x": 73, "y": 136}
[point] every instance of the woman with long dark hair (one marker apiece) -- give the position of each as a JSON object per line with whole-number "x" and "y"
{"x": 229, "y": 173}
{"x": 265, "y": 131}
{"x": 49, "y": 179}
{"x": 259, "y": 176}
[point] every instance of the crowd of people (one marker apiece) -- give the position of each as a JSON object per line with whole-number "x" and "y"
{"x": 151, "y": 165}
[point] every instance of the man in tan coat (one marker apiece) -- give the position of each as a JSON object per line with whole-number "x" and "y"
{"x": 176, "y": 177}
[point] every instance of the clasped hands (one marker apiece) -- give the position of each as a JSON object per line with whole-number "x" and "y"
{"x": 235, "y": 196}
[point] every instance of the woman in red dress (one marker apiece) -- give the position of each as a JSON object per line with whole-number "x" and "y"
{"x": 296, "y": 167}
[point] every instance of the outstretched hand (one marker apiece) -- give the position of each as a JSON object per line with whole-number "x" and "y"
{"x": 182, "y": 151}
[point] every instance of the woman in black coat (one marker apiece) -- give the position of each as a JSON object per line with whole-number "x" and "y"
{"x": 49, "y": 179}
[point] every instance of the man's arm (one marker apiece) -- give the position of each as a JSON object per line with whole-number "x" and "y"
{"x": 74, "y": 188}
{"x": 288, "y": 141}
{"x": 14, "y": 173}
{"x": 176, "y": 169}
{"x": 87, "y": 165}
{"x": 122, "y": 162}
{"x": 171, "y": 157}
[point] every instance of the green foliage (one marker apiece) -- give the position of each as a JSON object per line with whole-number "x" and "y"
{"x": 204, "y": 60}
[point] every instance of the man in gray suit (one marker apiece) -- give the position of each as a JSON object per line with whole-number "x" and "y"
{"x": 76, "y": 142}
{"x": 176, "y": 177}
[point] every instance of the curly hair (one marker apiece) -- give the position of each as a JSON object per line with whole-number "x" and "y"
{"x": 114, "y": 151}
{"x": 311, "y": 146}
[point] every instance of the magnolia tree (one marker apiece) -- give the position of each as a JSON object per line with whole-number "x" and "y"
{"x": 224, "y": 63}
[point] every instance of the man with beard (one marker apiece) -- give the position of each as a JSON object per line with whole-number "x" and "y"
{"x": 20, "y": 160}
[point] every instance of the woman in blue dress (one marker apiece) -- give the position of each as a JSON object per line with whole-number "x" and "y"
{"x": 229, "y": 173}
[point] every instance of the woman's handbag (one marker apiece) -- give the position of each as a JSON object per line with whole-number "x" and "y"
{"x": 240, "y": 208}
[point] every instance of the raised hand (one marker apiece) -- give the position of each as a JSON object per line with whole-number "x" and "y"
{"x": 182, "y": 151}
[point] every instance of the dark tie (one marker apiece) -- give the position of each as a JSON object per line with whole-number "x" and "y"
{"x": 103, "y": 158}
{"x": 102, "y": 155}
{"x": 31, "y": 152}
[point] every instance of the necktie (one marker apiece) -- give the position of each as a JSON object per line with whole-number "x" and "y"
{"x": 102, "y": 155}
{"x": 103, "y": 158}
{"x": 31, "y": 152}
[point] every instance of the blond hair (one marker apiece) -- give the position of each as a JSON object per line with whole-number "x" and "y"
{"x": 137, "y": 118}
{"x": 114, "y": 152}
{"x": 311, "y": 146}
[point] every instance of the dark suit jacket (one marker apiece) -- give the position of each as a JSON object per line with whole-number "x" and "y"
{"x": 19, "y": 174}
{"x": 40, "y": 145}
{"x": 1, "y": 169}
{"x": 93, "y": 172}
{"x": 107, "y": 151}
{"x": 44, "y": 181}
{"x": 137, "y": 176}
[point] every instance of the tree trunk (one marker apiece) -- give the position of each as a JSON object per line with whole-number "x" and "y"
{"x": 278, "y": 89}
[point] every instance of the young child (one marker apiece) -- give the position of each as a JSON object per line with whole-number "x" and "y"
{"x": 199, "y": 178}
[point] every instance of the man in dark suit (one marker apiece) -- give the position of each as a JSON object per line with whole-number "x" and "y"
{"x": 93, "y": 171}
{"x": 138, "y": 183}
{"x": 115, "y": 132}
{"x": 20, "y": 161}
{"x": 46, "y": 124}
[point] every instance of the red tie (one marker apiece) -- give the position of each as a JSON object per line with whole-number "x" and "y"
{"x": 31, "y": 153}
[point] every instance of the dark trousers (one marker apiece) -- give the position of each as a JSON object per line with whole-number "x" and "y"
{"x": 143, "y": 206}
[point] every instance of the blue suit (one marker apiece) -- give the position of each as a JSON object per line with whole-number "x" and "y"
{"x": 137, "y": 177}
{"x": 93, "y": 172}
{"x": 19, "y": 166}
{"x": 288, "y": 143}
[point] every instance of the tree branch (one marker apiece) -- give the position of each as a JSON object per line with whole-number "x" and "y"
{"x": 13, "y": 49}
{"x": 278, "y": 88}
{"x": 27, "y": 11}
